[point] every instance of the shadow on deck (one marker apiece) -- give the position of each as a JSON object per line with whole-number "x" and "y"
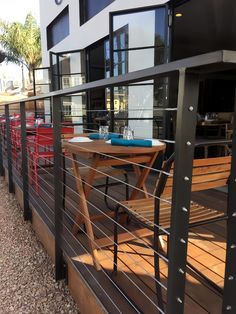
{"x": 133, "y": 288}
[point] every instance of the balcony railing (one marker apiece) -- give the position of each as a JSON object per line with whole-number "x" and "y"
{"x": 136, "y": 262}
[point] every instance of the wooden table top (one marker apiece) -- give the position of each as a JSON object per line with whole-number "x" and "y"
{"x": 100, "y": 146}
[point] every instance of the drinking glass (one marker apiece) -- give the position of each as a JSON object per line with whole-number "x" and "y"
{"x": 125, "y": 132}
{"x": 103, "y": 132}
{"x": 128, "y": 133}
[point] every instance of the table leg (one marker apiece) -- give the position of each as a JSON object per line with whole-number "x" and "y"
{"x": 143, "y": 174}
{"x": 138, "y": 173}
{"x": 84, "y": 213}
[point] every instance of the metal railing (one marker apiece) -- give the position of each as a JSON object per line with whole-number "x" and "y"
{"x": 59, "y": 203}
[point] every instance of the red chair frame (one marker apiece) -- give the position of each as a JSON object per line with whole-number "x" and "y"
{"x": 43, "y": 149}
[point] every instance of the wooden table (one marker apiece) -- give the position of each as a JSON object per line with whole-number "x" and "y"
{"x": 104, "y": 155}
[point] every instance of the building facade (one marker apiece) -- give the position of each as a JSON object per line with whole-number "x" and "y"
{"x": 88, "y": 40}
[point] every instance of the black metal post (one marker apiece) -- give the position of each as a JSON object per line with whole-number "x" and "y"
{"x": 58, "y": 187}
{"x": 111, "y": 47}
{"x": 24, "y": 163}
{"x": 184, "y": 152}
{"x": 229, "y": 300}
{"x": 35, "y": 102}
{"x": 9, "y": 152}
{"x": 1, "y": 154}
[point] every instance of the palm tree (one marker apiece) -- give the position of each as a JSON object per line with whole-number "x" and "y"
{"x": 22, "y": 43}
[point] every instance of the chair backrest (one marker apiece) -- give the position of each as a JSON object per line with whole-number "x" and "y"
{"x": 67, "y": 130}
{"x": 44, "y": 136}
{"x": 207, "y": 173}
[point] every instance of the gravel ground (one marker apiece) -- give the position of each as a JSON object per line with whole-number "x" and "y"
{"x": 26, "y": 272}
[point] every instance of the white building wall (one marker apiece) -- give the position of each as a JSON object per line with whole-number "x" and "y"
{"x": 82, "y": 36}
{"x": 140, "y": 101}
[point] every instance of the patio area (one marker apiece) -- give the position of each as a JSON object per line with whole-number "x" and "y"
{"x": 135, "y": 276}
{"x": 165, "y": 245}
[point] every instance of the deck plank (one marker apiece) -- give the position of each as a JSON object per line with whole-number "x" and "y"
{"x": 206, "y": 251}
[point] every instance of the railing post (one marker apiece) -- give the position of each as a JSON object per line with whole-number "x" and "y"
{"x": 184, "y": 152}
{"x": 24, "y": 163}
{"x": 229, "y": 300}
{"x": 58, "y": 187}
{"x": 9, "y": 152}
{"x": 1, "y": 154}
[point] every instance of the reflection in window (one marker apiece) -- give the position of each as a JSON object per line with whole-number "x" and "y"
{"x": 74, "y": 111}
{"x": 58, "y": 29}
{"x": 68, "y": 70}
{"x": 89, "y": 8}
{"x": 120, "y": 41}
{"x": 139, "y": 42}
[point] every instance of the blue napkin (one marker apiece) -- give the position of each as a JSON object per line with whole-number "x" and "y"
{"x": 96, "y": 136}
{"x": 137, "y": 143}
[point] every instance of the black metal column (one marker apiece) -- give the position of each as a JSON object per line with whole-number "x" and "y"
{"x": 1, "y": 154}
{"x": 184, "y": 152}
{"x": 58, "y": 187}
{"x": 229, "y": 296}
{"x": 111, "y": 47}
{"x": 24, "y": 163}
{"x": 9, "y": 152}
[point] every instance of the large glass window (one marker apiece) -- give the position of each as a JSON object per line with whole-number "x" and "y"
{"x": 200, "y": 27}
{"x": 68, "y": 70}
{"x": 139, "y": 42}
{"x": 89, "y": 8}
{"x": 58, "y": 29}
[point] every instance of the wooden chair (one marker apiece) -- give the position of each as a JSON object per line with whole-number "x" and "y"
{"x": 42, "y": 149}
{"x": 207, "y": 174}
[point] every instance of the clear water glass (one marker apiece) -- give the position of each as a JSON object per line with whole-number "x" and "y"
{"x": 128, "y": 133}
{"x": 103, "y": 132}
{"x": 125, "y": 132}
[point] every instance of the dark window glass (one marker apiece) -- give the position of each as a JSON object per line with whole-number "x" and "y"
{"x": 89, "y": 8}
{"x": 58, "y": 29}
{"x": 203, "y": 26}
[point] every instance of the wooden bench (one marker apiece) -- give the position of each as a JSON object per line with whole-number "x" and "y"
{"x": 207, "y": 174}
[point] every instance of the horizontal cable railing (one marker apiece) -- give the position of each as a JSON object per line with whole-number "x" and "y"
{"x": 120, "y": 212}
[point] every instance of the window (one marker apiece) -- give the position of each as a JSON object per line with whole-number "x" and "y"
{"x": 201, "y": 28}
{"x": 120, "y": 44}
{"x": 58, "y": 29}
{"x": 89, "y": 8}
{"x": 138, "y": 41}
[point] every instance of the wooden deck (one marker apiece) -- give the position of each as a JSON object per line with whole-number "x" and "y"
{"x": 134, "y": 282}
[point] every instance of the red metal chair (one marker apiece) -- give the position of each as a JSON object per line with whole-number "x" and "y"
{"x": 15, "y": 139}
{"x": 42, "y": 149}
{"x": 15, "y": 126}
